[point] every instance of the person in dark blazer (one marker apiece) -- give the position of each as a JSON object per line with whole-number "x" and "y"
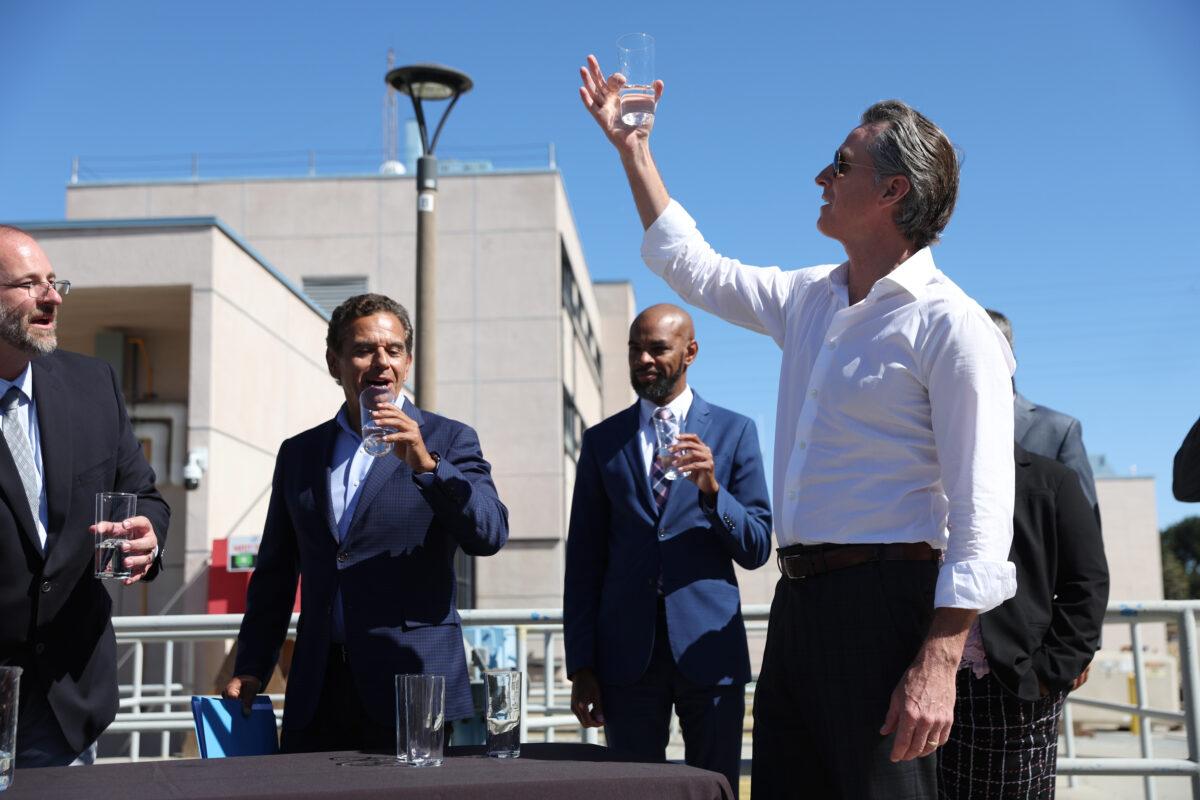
{"x": 1186, "y": 483}
{"x": 373, "y": 540}
{"x": 66, "y": 437}
{"x": 1050, "y": 433}
{"x": 1034, "y": 648}
{"x": 651, "y": 608}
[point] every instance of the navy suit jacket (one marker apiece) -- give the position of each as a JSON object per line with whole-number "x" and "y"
{"x": 618, "y": 546}
{"x": 55, "y": 616}
{"x": 395, "y": 568}
{"x": 1053, "y": 434}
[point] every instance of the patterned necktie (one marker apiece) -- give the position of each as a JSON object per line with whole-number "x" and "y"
{"x": 660, "y": 487}
{"x": 22, "y": 453}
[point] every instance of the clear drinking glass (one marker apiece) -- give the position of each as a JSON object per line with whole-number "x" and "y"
{"x": 635, "y": 60}
{"x": 503, "y": 713}
{"x": 666, "y": 432}
{"x": 424, "y": 718}
{"x": 401, "y": 720}
{"x": 113, "y": 508}
{"x": 371, "y": 399}
{"x": 10, "y": 691}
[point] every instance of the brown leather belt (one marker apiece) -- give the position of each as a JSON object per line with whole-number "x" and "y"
{"x": 804, "y": 561}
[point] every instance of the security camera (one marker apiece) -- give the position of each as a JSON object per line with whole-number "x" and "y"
{"x": 193, "y": 471}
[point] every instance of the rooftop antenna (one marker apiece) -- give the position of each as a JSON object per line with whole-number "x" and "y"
{"x": 391, "y": 130}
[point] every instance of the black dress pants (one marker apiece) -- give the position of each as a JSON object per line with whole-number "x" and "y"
{"x": 638, "y": 716}
{"x": 340, "y": 721}
{"x": 838, "y": 643}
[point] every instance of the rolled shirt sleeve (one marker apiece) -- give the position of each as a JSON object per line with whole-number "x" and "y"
{"x": 969, "y": 378}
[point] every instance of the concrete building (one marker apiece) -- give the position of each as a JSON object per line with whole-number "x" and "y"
{"x": 521, "y": 354}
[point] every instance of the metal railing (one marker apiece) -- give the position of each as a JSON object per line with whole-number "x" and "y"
{"x": 162, "y": 708}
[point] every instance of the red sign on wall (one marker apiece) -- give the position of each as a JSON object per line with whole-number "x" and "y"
{"x": 227, "y": 590}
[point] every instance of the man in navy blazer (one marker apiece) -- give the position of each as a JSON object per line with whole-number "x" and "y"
{"x": 374, "y": 541}
{"x": 651, "y": 609}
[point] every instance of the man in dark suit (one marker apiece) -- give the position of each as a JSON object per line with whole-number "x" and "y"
{"x": 651, "y": 609}
{"x": 66, "y": 437}
{"x": 374, "y": 541}
{"x": 1027, "y": 654}
{"x": 1050, "y": 433}
{"x": 1186, "y": 483}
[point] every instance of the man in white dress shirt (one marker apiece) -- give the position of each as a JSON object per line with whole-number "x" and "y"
{"x": 894, "y": 472}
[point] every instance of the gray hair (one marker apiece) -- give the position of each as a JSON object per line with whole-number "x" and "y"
{"x": 1003, "y": 324}
{"x": 365, "y": 305}
{"x": 909, "y": 144}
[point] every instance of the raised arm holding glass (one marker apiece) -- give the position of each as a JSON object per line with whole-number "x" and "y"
{"x": 894, "y": 471}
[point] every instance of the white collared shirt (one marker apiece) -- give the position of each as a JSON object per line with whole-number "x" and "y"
{"x": 679, "y": 407}
{"x": 894, "y": 417}
{"x": 27, "y": 416}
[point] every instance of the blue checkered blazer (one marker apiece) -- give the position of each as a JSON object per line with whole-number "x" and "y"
{"x": 395, "y": 568}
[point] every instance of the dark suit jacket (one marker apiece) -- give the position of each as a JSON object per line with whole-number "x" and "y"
{"x": 1053, "y": 434}
{"x": 1186, "y": 485}
{"x": 618, "y": 545}
{"x": 1051, "y": 629}
{"x": 395, "y": 568}
{"x": 55, "y": 616}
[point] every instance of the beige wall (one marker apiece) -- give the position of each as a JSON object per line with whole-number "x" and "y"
{"x": 1131, "y": 545}
{"x": 505, "y": 348}
{"x": 617, "y": 307}
{"x": 226, "y": 339}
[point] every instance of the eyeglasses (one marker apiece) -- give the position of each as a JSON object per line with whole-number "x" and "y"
{"x": 39, "y": 289}
{"x": 840, "y": 163}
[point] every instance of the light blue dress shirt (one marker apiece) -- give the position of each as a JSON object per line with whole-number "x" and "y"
{"x": 347, "y": 472}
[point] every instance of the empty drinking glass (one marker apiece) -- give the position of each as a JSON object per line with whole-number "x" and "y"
{"x": 503, "y": 713}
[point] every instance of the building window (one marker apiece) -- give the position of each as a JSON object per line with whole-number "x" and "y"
{"x": 572, "y": 301}
{"x": 328, "y": 292}
{"x": 573, "y": 427}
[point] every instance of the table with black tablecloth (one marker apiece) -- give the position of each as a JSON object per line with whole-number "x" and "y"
{"x": 587, "y": 772}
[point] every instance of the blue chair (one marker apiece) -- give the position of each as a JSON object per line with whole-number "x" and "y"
{"x": 222, "y": 730}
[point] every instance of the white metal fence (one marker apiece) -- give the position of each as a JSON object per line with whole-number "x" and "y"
{"x": 164, "y": 707}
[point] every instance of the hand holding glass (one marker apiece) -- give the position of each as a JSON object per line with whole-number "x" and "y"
{"x": 112, "y": 509}
{"x": 503, "y": 713}
{"x": 635, "y": 60}
{"x": 666, "y": 432}
{"x": 371, "y": 399}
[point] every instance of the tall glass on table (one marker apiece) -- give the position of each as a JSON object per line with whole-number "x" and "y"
{"x": 503, "y": 713}
{"x": 10, "y": 691}
{"x": 635, "y": 60}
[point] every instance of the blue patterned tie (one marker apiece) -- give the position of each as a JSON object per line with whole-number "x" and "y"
{"x": 22, "y": 454}
{"x": 660, "y": 487}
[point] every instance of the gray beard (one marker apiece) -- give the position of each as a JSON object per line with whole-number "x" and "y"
{"x": 14, "y": 333}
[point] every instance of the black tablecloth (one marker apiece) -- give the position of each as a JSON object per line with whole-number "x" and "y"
{"x": 543, "y": 771}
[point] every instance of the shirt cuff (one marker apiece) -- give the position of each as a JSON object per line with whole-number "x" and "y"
{"x": 981, "y": 585}
{"x": 673, "y": 226}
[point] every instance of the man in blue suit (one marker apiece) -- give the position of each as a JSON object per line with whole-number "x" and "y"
{"x": 374, "y": 541}
{"x": 651, "y": 610}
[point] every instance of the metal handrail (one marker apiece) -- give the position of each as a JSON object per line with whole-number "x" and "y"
{"x": 547, "y": 714}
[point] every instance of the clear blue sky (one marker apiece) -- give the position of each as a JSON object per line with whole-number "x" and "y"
{"x": 1079, "y": 123}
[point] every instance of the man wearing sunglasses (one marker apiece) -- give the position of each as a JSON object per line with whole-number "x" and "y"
{"x": 894, "y": 472}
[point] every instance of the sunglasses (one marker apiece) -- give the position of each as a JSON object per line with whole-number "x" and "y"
{"x": 840, "y": 163}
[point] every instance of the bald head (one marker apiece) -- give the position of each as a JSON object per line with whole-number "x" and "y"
{"x": 28, "y": 301}
{"x": 662, "y": 345}
{"x": 665, "y": 318}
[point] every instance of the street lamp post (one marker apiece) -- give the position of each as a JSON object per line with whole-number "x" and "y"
{"x": 428, "y": 82}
